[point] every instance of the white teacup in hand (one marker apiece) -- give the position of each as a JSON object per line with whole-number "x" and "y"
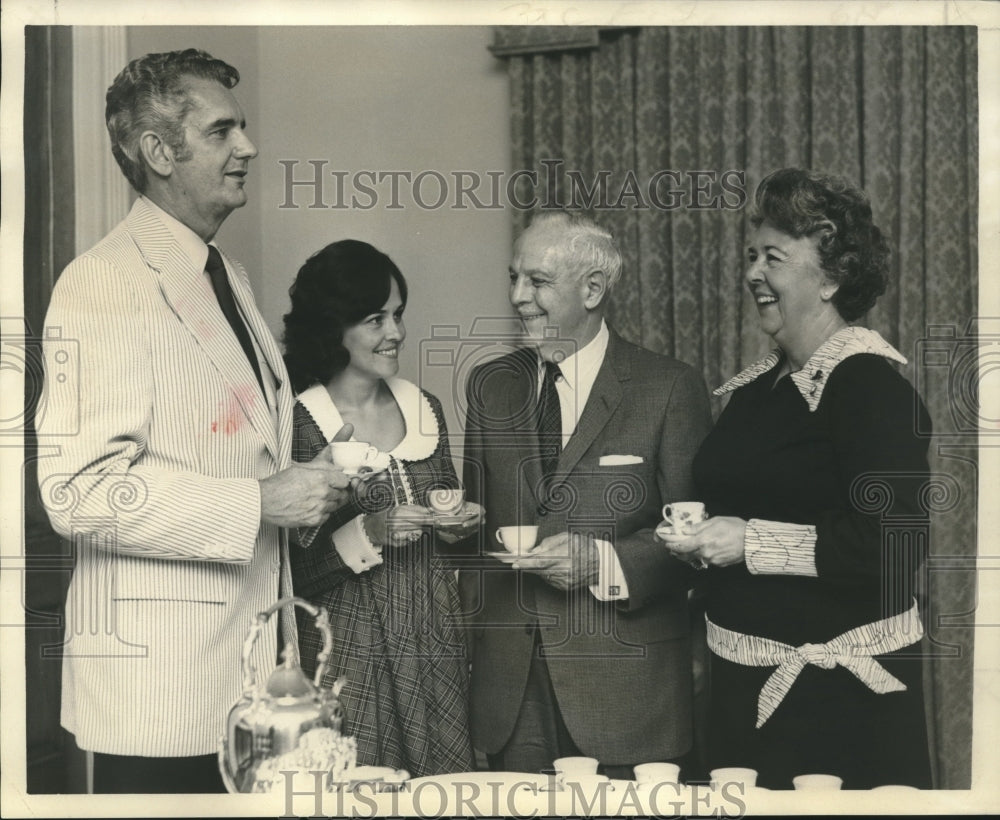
{"x": 446, "y": 500}
{"x": 517, "y": 540}
{"x": 681, "y": 514}
{"x": 351, "y": 456}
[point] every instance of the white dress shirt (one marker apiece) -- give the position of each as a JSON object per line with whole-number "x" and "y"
{"x": 579, "y": 372}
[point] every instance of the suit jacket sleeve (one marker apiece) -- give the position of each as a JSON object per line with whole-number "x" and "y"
{"x": 95, "y": 431}
{"x": 686, "y": 419}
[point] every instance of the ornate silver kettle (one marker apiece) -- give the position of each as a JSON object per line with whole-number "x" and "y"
{"x": 266, "y": 724}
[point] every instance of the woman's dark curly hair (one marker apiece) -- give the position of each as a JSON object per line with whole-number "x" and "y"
{"x": 854, "y": 253}
{"x": 336, "y": 288}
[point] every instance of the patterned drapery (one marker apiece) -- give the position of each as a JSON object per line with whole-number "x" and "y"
{"x": 665, "y": 132}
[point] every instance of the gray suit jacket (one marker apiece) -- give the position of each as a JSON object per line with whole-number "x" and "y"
{"x": 621, "y": 670}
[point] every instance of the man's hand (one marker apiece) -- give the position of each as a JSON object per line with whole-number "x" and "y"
{"x": 304, "y": 495}
{"x": 566, "y": 561}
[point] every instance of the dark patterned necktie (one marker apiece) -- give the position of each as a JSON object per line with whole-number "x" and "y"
{"x": 549, "y": 419}
{"x": 216, "y": 270}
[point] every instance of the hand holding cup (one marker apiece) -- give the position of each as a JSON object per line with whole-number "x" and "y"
{"x": 678, "y": 519}
{"x": 679, "y": 516}
{"x": 713, "y": 542}
{"x": 454, "y": 517}
{"x": 353, "y": 457}
{"x": 446, "y": 500}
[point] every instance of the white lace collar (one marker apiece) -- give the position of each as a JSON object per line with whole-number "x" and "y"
{"x": 422, "y": 431}
{"x": 811, "y": 379}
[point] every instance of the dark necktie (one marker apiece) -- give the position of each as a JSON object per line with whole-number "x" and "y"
{"x": 549, "y": 420}
{"x": 216, "y": 269}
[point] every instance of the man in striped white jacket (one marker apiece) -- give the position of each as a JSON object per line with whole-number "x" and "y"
{"x": 165, "y": 438}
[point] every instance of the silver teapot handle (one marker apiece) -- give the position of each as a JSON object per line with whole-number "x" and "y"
{"x": 322, "y": 624}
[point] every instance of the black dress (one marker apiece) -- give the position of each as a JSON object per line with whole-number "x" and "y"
{"x": 854, "y": 469}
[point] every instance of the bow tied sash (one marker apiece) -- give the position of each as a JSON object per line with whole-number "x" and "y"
{"x": 854, "y": 650}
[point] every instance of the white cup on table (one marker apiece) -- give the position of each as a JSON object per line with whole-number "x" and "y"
{"x": 806, "y": 782}
{"x": 651, "y": 774}
{"x": 572, "y": 769}
{"x": 747, "y": 778}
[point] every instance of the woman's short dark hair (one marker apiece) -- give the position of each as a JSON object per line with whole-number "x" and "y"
{"x": 335, "y": 289}
{"x": 151, "y": 94}
{"x": 854, "y": 253}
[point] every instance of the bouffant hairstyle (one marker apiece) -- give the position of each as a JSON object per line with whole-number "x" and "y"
{"x": 852, "y": 250}
{"x": 151, "y": 94}
{"x": 335, "y": 289}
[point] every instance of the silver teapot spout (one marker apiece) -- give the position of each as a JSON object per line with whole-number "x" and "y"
{"x": 266, "y": 723}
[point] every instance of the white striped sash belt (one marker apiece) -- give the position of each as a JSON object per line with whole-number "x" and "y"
{"x": 853, "y": 650}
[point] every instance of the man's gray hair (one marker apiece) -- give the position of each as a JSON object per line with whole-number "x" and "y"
{"x": 151, "y": 93}
{"x": 588, "y": 246}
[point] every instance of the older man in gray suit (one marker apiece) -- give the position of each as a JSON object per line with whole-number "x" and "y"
{"x": 179, "y": 484}
{"x": 583, "y": 646}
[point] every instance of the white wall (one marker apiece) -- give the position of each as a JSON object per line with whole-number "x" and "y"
{"x": 388, "y": 99}
{"x": 370, "y": 98}
{"x": 241, "y": 233}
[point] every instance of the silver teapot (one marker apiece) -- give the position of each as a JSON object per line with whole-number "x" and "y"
{"x": 267, "y": 723}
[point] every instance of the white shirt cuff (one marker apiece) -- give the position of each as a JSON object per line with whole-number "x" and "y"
{"x": 354, "y": 547}
{"x": 777, "y": 548}
{"x": 611, "y": 584}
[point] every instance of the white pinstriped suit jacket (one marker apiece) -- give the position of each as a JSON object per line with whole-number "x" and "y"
{"x": 149, "y": 461}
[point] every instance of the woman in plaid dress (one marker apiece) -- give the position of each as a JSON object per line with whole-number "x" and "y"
{"x": 393, "y": 603}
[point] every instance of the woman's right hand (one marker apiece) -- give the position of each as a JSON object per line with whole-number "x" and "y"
{"x": 397, "y": 526}
{"x": 716, "y": 542}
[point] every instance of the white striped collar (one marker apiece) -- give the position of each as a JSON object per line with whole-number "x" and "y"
{"x": 194, "y": 246}
{"x": 811, "y": 379}
{"x": 422, "y": 431}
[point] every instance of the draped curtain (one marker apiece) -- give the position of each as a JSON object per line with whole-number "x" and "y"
{"x": 52, "y": 761}
{"x": 706, "y": 113}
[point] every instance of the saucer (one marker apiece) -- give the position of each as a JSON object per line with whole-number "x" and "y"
{"x": 513, "y": 558}
{"x": 455, "y": 518}
{"x": 377, "y": 465}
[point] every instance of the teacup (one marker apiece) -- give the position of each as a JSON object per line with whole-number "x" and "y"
{"x": 351, "y": 456}
{"x": 817, "y": 781}
{"x": 649, "y": 774}
{"x": 446, "y": 500}
{"x": 574, "y": 769}
{"x": 519, "y": 540}
{"x": 681, "y": 514}
{"x": 734, "y": 774}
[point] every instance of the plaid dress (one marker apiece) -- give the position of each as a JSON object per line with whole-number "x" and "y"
{"x": 395, "y": 626}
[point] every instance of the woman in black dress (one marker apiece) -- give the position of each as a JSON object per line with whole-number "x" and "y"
{"x": 811, "y": 619}
{"x": 392, "y": 602}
